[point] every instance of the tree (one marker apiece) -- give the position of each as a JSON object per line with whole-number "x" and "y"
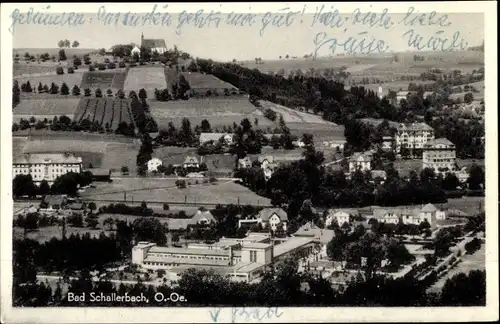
{"x": 166, "y": 206}
{"x": 15, "y": 127}
{"x": 77, "y": 61}
{"x": 98, "y": 93}
{"x": 54, "y": 89}
{"x": 23, "y": 185}
{"x": 92, "y": 206}
{"x": 149, "y": 229}
{"x": 75, "y": 44}
{"x": 307, "y": 139}
{"x": 44, "y": 188}
{"x": 16, "y": 93}
{"x": 442, "y": 242}
{"x": 87, "y": 92}
{"x": 60, "y": 44}
{"x": 65, "y": 184}
{"x": 76, "y": 90}
{"x": 143, "y": 94}
{"x": 62, "y": 55}
{"x": 205, "y": 126}
{"x": 476, "y": 177}
{"x": 468, "y": 97}
{"x": 67, "y": 43}
{"x": 28, "y": 87}
{"x": 124, "y": 170}
{"x": 64, "y": 89}
{"x": 465, "y": 289}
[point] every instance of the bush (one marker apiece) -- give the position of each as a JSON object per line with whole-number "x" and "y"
{"x": 59, "y": 70}
{"x": 91, "y": 68}
{"x": 101, "y": 67}
{"x": 270, "y": 114}
{"x": 122, "y": 64}
{"x": 111, "y": 65}
{"x": 71, "y": 70}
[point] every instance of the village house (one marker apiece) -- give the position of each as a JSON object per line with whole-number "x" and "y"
{"x": 268, "y": 165}
{"x": 224, "y": 138}
{"x": 53, "y": 202}
{"x": 191, "y": 162}
{"x": 440, "y": 155}
{"x": 360, "y": 161}
{"x": 413, "y": 216}
{"x": 244, "y": 163}
{"x": 413, "y": 136}
{"x": 387, "y": 143}
{"x": 378, "y": 175}
{"x": 402, "y": 95}
{"x": 203, "y": 217}
{"x": 272, "y": 217}
{"x": 153, "y": 164}
{"x": 335, "y": 144}
{"x": 341, "y": 216}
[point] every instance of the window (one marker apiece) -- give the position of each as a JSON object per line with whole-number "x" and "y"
{"x": 253, "y": 256}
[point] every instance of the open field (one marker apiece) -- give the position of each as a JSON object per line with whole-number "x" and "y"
{"x": 292, "y": 115}
{"x": 104, "y": 80}
{"x": 218, "y": 112}
{"x": 54, "y": 51}
{"x": 201, "y": 81}
{"x": 32, "y": 68}
{"x": 104, "y": 153}
{"x": 46, "y": 108}
{"x": 70, "y": 80}
{"x": 148, "y": 78}
{"x": 164, "y": 190}
{"x": 104, "y": 110}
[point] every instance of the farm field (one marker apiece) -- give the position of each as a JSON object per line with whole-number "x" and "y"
{"x": 70, "y": 80}
{"x": 218, "y": 112}
{"x": 294, "y": 116}
{"x": 164, "y": 190}
{"x": 148, "y": 78}
{"x": 201, "y": 81}
{"x": 45, "y": 108}
{"x": 104, "y": 80}
{"x": 19, "y": 69}
{"x": 44, "y": 234}
{"x": 104, "y": 110}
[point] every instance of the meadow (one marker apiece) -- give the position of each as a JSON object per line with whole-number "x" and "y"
{"x": 71, "y": 80}
{"x": 101, "y": 152}
{"x": 45, "y": 108}
{"x": 158, "y": 190}
{"x": 201, "y": 81}
{"x": 149, "y": 78}
{"x": 219, "y": 112}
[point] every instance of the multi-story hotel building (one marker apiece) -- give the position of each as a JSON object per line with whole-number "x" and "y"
{"x": 46, "y": 166}
{"x": 440, "y": 155}
{"x": 413, "y": 136}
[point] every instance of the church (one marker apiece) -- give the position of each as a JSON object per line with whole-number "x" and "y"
{"x": 154, "y": 45}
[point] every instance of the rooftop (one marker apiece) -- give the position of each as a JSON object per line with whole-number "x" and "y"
{"x": 290, "y": 245}
{"x": 47, "y": 158}
{"x": 415, "y": 127}
{"x": 256, "y": 245}
{"x": 154, "y": 43}
{"x": 266, "y": 213}
{"x": 207, "y": 137}
{"x": 191, "y": 160}
{"x": 248, "y": 267}
{"x": 187, "y": 261}
{"x": 194, "y": 251}
{"x": 439, "y": 141}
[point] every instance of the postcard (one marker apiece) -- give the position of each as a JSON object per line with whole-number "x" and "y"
{"x": 249, "y": 162}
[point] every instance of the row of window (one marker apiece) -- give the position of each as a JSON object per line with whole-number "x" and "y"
{"x": 180, "y": 256}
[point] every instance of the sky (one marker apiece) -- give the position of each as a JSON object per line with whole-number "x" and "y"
{"x": 244, "y": 43}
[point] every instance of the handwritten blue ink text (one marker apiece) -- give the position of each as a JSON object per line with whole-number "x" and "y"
{"x": 33, "y": 17}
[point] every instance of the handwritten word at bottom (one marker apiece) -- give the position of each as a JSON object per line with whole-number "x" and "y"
{"x": 242, "y": 314}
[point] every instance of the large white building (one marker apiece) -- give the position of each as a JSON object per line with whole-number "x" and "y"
{"x": 440, "y": 155}
{"x": 413, "y": 216}
{"x": 241, "y": 259}
{"x": 46, "y": 166}
{"x": 413, "y": 136}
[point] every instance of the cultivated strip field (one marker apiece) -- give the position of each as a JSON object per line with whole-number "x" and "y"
{"x": 149, "y": 78}
{"x": 292, "y": 115}
{"x": 104, "y": 110}
{"x": 46, "y": 108}
{"x": 104, "y": 80}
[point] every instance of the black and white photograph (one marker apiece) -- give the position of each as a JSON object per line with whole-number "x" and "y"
{"x": 233, "y": 162}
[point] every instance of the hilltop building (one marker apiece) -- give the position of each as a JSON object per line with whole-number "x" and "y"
{"x": 154, "y": 45}
{"x": 46, "y": 166}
